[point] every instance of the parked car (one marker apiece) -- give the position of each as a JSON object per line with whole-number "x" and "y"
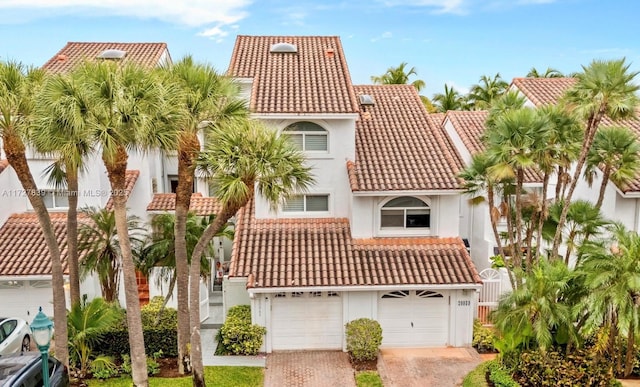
{"x": 15, "y": 335}
{"x": 24, "y": 369}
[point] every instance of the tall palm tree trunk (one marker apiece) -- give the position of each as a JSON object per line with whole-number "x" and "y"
{"x": 494, "y": 227}
{"x": 226, "y": 213}
{"x": 603, "y": 187}
{"x": 116, "y": 171}
{"x": 72, "y": 236}
{"x": 631, "y": 353}
{"x": 517, "y": 247}
{"x": 15, "y": 151}
{"x": 543, "y": 215}
{"x": 183, "y": 201}
{"x": 590, "y": 134}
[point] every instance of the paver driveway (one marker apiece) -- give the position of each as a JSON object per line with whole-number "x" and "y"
{"x": 438, "y": 367}
{"x": 308, "y": 368}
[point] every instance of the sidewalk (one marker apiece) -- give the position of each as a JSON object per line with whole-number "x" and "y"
{"x": 209, "y": 348}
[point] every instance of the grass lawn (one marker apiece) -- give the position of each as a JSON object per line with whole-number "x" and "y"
{"x": 214, "y": 376}
{"x": 368, "y": 379}
{"x": 477, "y": 377}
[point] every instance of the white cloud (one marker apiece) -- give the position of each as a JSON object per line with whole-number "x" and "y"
{"x": 385, "y": 35}
{"x": 441, "y": 6}
{"x": 191, "y": 13}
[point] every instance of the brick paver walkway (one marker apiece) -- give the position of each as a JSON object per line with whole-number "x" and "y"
{"x": 308, "y": 368}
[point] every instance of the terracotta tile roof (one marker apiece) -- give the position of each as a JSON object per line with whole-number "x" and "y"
{"x": 315, "y": 79}
{"x": 73, "y": 53}
{"x": 542, "y": 91}
{"x": 436, "y": 119}
{"x": 130, "y": 181}
{"x": 320, "y": 252}
{"x": 199, "y": 205}
{"x": 4, "y": 163}
{"x": 398, "y": 148}
{"x": 469, "y": 125}
{"x": 23, "y": 250}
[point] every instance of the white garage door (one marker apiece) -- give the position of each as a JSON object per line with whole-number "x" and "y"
{"x": 306, "y": 320}
{"x": 415, "y": 318}
{"x": 22, "y": 299}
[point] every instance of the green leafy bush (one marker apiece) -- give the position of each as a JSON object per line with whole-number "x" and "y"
{"x": 153, "y": 367}
{"x": 103, "y": 367}
{"x": 159, "y": 330}
{"x": 477, "y": 377}
{"x": 551, "y": 368}
{"x": 483, "y": 337}
{"x": 364, "y": 337}
{"x": 239, "y": 336}
{"x": 500, "y": 376}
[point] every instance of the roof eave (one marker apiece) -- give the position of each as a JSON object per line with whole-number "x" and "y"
{"x": 409, "y": 192}
{"x": 362, "y": 288}
{"x": 318, "y": 116}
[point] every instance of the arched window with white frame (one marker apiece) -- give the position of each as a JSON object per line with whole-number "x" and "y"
{"x": 405, "y": 212}
{"x": 308, "y": 136}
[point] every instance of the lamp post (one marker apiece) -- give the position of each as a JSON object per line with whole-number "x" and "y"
{"x": 42, "y": 328}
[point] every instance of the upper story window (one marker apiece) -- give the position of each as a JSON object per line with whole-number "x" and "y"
{"x": 405, "y": 212}
{"x": 55, "y": 199}
{"x": 308, "y": 136}
{"x": 307, "y": 203}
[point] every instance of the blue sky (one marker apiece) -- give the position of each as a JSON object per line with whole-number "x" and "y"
{"x": 447, "y": 41}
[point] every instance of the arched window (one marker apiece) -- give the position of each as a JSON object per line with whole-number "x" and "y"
{"x": 308, "y": 136}
{"x": 405, "y": 212}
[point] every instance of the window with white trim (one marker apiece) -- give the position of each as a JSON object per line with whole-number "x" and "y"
{"x": 307, "y": 203}
{"x": 405, "y": 212}
{"x": 55, "y": 199}
{"x": 308, "y": 136}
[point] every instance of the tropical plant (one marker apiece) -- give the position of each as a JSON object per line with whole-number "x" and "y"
{"x": 159, "y": 252}
{"x": 611, "y": 269}
{"x": 535, "y": 315}
{"x": 205, "y": 97}
{"x": 61, "y": 130}
{"x": 98, "y": 240}
{"x": 451, "y": 99}
{"x": 489, "y": 88}
{"x": 616, "y": 151}
{"x": 86, "y": 322}
{"x": 18, "y": 85}
{"x": 549, "y": 73}
{"x": 241, "y": 161}
{"x": 604, "y": 88}
{"x": 129, "y": 110}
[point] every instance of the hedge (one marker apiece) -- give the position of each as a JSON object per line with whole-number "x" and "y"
{"x": 238, "y": 335}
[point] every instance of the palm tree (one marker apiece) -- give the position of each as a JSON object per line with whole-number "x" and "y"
{"x": 160, "y": 251}
{"x": 616, "y": 151}
{"x": 61, "y": 130}
{"x": 488, "y": 89}
{"x": 98, "y": 240}
{"x": 129, "y": 109}
{"x": 450, "y": 100}
{"x": 549, "y": 73}
{"x": 240, "y": 161}
{"x": 534, "y": 313}
{"x": 612, "y": 275}
{"x": 513, "y": 139}
{"x": 603, "y": 88}
{"x": 205, "y": 97}
{"x": 17, "y": 88}
{"x": 400, "y": 76}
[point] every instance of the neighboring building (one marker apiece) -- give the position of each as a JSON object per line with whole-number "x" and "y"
{"x": 377, "y": 236}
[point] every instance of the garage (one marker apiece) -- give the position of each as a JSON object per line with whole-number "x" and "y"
{"x": 414, "y": 318}
{"x": 306, "y": 320}
{"x": 23, "y": 298}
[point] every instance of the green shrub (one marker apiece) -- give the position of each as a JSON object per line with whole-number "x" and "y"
{"x": 500, "y": 376}
{"x": 364, "y": 337}
{"x": 153, "y": 367}
{"x": 483, "y": 337}
{"x": 239, "y": 336}
{"x": 103, "y": 367}
{"x": 552, "y": 368}
{"x": 159, "y": 330}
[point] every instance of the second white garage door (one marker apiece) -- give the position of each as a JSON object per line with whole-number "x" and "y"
{"x": 306, "y": 320}
{"x": 414, "y": 318}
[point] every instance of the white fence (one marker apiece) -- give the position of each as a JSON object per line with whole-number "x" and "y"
{"x": 489, "y": 294}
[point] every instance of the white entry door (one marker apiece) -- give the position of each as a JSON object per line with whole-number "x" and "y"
{"x": 414, "y": 318}
{"x": 306, "y": 320}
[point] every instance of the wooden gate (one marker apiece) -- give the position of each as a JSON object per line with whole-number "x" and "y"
{"x": 490, "y": 293}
